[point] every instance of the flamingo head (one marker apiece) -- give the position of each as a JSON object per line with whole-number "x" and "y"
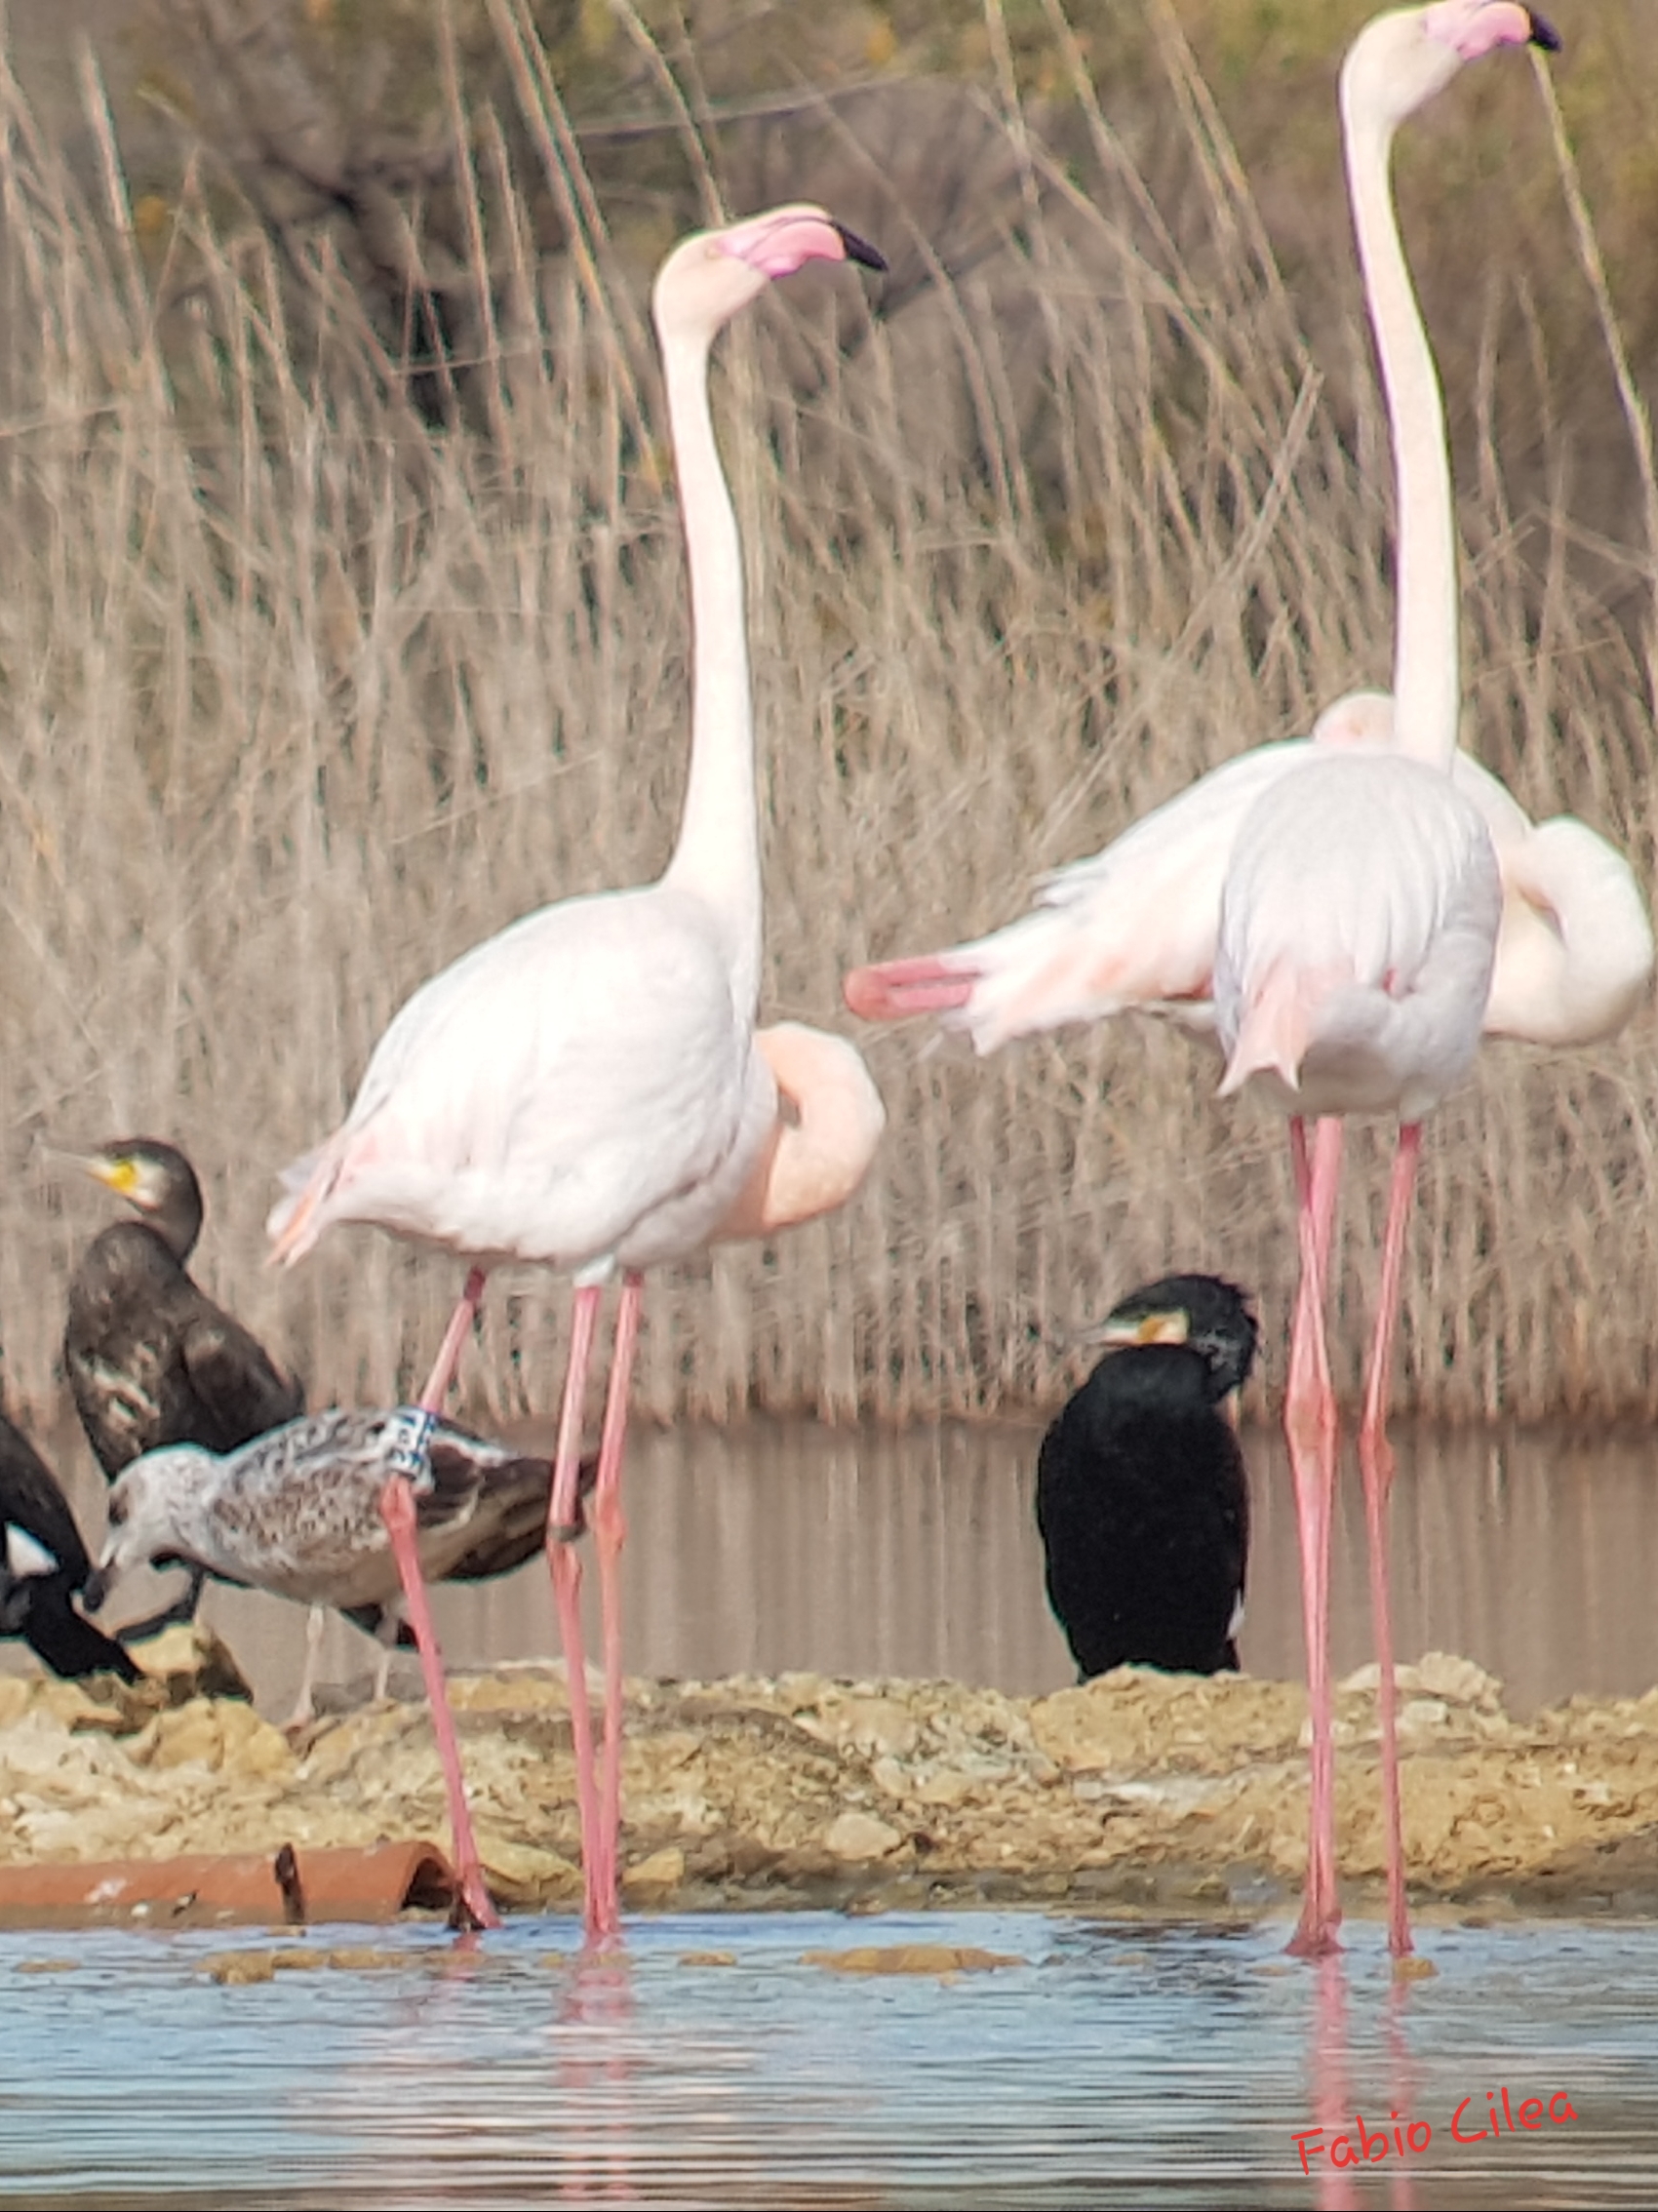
{"x": 1402, "y": 58}
{"x": 712, "y": 275}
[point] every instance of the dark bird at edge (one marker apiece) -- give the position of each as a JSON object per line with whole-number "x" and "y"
{"x": 1142, "y": 1495}
{"x": 151, "y": 1360}
{"x": 43, "y": 1566}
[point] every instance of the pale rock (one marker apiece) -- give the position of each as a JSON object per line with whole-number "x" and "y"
{"x": 662, "y": 1871}
{"x": 1442, "y": 1674}
{"x": 523, "y": 1690}
{"x": 193, "y": 1663}
{"x": 1080, "y": 1729}
{"x": 854, "y": 1835}
{"x": 943, "y": 1785}
{"x": 873, "y": 1724}
{"x": 524, "y": 1870}
{"x": 189, "y": 1734}
{"x": 65, "y": 1702}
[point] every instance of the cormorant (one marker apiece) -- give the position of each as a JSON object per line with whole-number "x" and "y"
{"x": 151, "y": 1359}
{"x": 43, "y": 1565}
{"x": 1142, "y": 1497}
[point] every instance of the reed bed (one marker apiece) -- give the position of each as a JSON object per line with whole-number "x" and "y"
{"x": 302, "y": 695}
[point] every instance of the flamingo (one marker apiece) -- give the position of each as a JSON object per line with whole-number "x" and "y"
{"x": 1139, "y": 926}
{"x": 1133, "y": 928}
{"x": 584, "y": 1090}
{"x": 829, "y": 1124}
{"x": 1361, "y": 909}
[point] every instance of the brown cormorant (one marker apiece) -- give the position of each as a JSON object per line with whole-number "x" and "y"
{"x": 151, "y": 1360}
{"x": 1142, "y": 1497}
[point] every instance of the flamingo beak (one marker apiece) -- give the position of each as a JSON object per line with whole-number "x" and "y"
{"x": 859, "y": 249}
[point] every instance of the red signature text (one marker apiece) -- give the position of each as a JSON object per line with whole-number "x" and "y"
{"x": 1368, "y": 2146}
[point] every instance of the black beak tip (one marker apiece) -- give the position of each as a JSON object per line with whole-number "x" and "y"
{"x": 1544, "y": 33}
{"x": 859, "y": 249}
{"x": 95, "y": 1591}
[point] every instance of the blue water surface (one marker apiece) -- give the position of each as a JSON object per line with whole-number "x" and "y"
{"x": 712, "y": 2064}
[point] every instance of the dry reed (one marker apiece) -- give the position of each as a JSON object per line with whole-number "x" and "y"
{"x": 301, "y": 697}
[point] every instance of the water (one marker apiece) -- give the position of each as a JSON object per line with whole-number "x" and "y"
{"x": 913, "y": 1551}
{"x": 1113, "y": 2064}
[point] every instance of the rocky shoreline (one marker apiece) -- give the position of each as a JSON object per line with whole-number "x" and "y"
{"x": 1137, "y": 1793}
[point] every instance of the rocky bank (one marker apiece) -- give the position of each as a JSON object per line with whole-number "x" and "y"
{"x": 1137, "y": 1790}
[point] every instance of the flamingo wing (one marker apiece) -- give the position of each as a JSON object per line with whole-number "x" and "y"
{"x": 547, "y": 1091}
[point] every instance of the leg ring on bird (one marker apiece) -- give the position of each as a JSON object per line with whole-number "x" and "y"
{"x": 408, "y": 1442}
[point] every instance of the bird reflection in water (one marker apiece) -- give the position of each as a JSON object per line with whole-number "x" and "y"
{"x": 594, "y": 2048}
{"x": 1338, "y": 2100}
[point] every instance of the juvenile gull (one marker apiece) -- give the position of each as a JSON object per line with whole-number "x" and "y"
{"x": 297, "y": 1513}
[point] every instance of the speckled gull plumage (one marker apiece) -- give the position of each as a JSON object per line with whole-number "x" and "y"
{"x": 297, "y": 1510}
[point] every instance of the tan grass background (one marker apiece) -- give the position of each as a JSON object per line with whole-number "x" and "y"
{"x": 300, "y": 696}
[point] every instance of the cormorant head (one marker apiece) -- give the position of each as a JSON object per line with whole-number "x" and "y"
{"x": 1200, "y": 1311}
{"x": 157, "y": 1181}
{"x": 144, "y": 1518}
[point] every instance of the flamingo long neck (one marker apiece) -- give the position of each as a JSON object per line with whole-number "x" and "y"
{"x": 717, "y": 854}
{"x": 1427, "y": 682}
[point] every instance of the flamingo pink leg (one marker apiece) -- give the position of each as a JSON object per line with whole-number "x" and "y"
{"x": 473, "y": 1905}
{"x": 562, "y": 1526}
{"x": 1375, "y": 1462}
{"x": 453, "y": 1343}
{"x": 610, "y": 1531}
{"x": 1310, "y": 1427}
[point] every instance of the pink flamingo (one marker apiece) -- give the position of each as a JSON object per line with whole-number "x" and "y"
{"x": 1360, "y": 919}
{"x": 1140, "y": 926}
{"x": 585, "y": 1091}
{"x": 1133, "y": 928}
{"x": 828, "y": 1126}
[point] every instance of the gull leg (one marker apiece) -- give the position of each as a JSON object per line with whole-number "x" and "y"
{"x": 305, "y": 1709}
{"x": 385, "y": 1637}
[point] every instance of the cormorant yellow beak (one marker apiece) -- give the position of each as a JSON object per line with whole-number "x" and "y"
{"x": 1171, "y": 1327}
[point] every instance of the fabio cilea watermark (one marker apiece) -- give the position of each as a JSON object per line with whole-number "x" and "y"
{"x": 1368, "y": 2146}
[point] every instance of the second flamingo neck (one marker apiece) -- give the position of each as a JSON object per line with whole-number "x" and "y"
{"x": 1427, "y": 682}
{"x": 717, "y": 854}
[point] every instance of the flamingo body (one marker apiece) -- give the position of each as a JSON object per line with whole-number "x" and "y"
{"x": 1133, "y": 929}
{"x": 1357, "y": 934}
{"x": 581, "y": 1091}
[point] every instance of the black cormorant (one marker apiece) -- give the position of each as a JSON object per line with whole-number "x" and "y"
{"x": 43, "y": 1566}
{"x": 1142, "y": 1498}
